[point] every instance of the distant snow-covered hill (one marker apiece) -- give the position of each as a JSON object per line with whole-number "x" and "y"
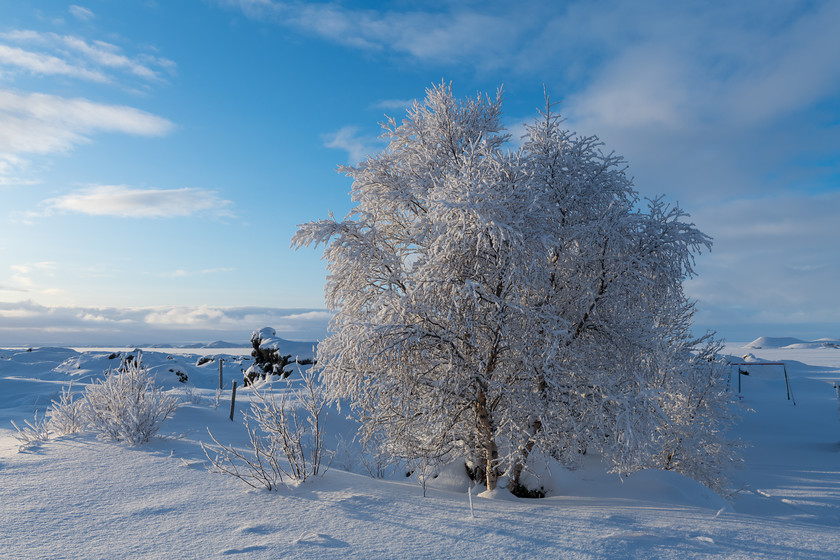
{"x": 792, "y": 343}
{"x": 773, "y": 342}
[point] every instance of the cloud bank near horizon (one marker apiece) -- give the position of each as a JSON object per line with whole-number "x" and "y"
{"x": 23, "y": 324}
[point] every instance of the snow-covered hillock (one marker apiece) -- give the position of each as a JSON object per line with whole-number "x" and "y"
{"x": 819, "y": 343}
{"x": 773, "y": 342}
{"x": 792, "y": 343}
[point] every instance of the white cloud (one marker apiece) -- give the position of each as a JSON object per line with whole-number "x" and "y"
{"x": 401, "y": 105}
{"x": 107, "y": 55}
{"x": 127, "y": 202}
{"x": 183, "y": 316}
{"x": 322, "y": 315}
{"x": 725, "y": 65}
{"x": 38, "y": 63}
{"x": 22, "y": 281}
{"x": 30, "y": 277}
{"x": 483, "y": 37}
{"x": 774, "y": 261}
{"x": 73, "y": 56}
{"x": 29, "y": 323}
{"x": 39, "y": 123}
{"x": 634, "y": 65}
{"x": 358, "y": 147}
{"x": 81, "y": 13}
{"x": 12, "y": 168}
{"x": 35, "y": 123}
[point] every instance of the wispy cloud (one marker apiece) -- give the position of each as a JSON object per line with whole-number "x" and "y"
{"x": 450, "y": 35}
{"x": 723, "y": 65}
{"x": 678, "y": 88}
{"x": 180, "y": 273}
{"x": 401, "y": 105}
{"x": 48, "y": 53}
{"x": 126, "y": 202}
{"x": 772, "y": 257}
{"x": 651, "y": 63}
{"x": 46, "y": 64}
{"x": 13, "y": 169}
{"x": 5, "y": 288}
{"x": 39, "y": 124}
{"x": 358, "y": 146}
{"x": 81, "y": 13}
{"x": 29, "y": 323}
{"x": 32, "y": 277}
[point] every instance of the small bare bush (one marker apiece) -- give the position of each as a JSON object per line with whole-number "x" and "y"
{"x": 127, "y": 405}
{"x": 285, "y": 442}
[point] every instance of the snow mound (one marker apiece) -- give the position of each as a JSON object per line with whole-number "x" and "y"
{"x": 773, "y": 342}
{"x": 673, "y": 488}
{"x": 821, "y": 343}
{"x": 591, "y": 480}
{"x": 791, "y": 343}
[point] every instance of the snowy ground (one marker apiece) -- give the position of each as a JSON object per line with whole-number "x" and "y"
{"x": 76, "y": 497}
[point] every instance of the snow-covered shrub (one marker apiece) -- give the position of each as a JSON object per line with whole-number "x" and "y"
{"x": 345, "y": 457}
{"x": 127, "y": 405}
{"x": 67, "y": 414}
{"x": 285, "y": 442}
{"x": 377, "y": 460}
{"x": 64, "y": 416}
{"x": 267, "y": 358}
{"x": 32, "y": 433}
{"x": 190, "y": 395}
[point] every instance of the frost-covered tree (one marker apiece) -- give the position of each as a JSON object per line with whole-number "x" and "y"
{"x": 489, "y": 303}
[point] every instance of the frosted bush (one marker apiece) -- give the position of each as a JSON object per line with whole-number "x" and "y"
{"x": 189, "y": 395}
{"x": 31, "y": 433}
{"x": 286, "y": 442}
{"x": 66, "y": 415}
{"x": 127, "y": 405}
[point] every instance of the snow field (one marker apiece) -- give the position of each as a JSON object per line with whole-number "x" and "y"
{"x": 76, "y": 497}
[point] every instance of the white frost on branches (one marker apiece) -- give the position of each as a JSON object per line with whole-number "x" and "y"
{"x": 127, "y": 405}
{"x": 285, "y": 443}
{"x": 489, "y": 303}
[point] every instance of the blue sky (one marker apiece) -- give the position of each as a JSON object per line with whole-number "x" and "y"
{"x": 156, "y": 157}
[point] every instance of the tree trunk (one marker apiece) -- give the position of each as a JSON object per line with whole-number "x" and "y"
{"x": 486, "y": 441}
{"x": 516, "y": 471}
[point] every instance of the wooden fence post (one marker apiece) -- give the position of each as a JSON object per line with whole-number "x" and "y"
{"x": 232, "y": 400}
